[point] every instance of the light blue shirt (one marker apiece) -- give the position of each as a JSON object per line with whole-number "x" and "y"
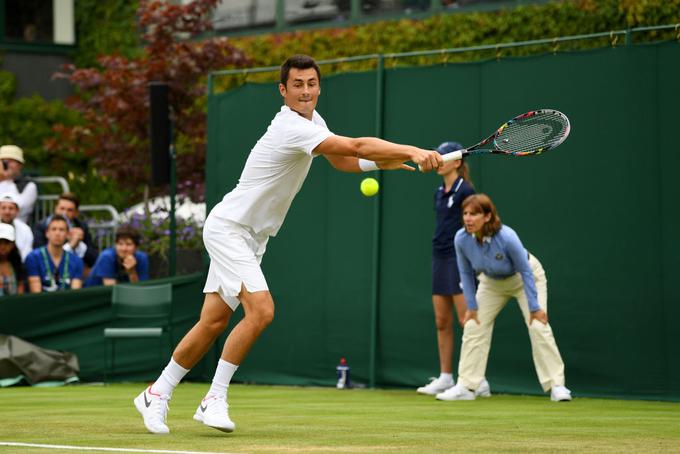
{"x": 499, "y": 257}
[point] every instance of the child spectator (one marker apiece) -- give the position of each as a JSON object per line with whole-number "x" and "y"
{"x": 50, "y": 268}
{"x": 122, "y": 262}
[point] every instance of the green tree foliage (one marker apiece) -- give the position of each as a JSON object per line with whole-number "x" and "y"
{"x": 106, "y": 27}
{"x": 113, "y": 96}
{"x": 29, "y": 122}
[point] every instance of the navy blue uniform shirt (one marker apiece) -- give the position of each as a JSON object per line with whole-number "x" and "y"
{"x": 449, "y": 216}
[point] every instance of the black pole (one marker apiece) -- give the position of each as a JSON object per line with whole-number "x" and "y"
{"x": 173, "y": 193}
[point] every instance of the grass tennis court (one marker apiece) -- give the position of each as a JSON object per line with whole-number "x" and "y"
{"x": 290, "y": 419}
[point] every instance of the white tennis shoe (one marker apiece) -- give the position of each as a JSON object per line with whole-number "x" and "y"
{"x": 436, "y": 386}
{"x": 560, "y": 394}
{"x": 483, "y": 390}
{"x": 154, "y": 410}
{"x": 458, "y": 392}
{"x": 213, "y": 411}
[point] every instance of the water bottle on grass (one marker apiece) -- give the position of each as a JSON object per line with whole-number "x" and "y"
{"x": 343, "y": 375}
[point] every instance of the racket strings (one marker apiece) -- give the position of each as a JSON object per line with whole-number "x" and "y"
{"x": 533, "y": 134}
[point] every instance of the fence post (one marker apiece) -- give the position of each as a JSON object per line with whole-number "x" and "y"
{"x": 280, "y": 14}
{"x": 377, "y": 204}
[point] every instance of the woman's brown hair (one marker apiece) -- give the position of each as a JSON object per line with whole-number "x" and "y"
{"x": 464, "y": 171}
{"x": 481, "y": 203}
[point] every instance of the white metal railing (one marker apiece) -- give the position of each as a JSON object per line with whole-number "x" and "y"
{"x": 44, "y": 206}
{"x": 103, "y": 220}
{"x": 102, "y": 228}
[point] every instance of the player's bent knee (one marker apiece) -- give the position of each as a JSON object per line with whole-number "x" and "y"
{"x": 264, "y": 315}
{"x": 259, "y": 309}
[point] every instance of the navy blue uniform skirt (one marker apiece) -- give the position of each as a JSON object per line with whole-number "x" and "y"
{"x": 445, "y": 276}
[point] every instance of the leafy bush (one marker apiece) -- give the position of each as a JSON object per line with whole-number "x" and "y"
{"x": 104, "y": 28}
{"x": 466, "y": 29}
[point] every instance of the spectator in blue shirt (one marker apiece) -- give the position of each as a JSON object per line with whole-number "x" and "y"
{"x": 447, "y": 293}
{"x": 79, "y": 241}
{"x": 51, "y": 268}
{"x": 494, "y": 252}
{"x": 121, "y": 263}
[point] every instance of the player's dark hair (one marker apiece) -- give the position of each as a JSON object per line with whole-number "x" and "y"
{"x": 58, "y": 218}
{"x": 128, "y": 232}
{"x": 298, "y": 61}
{"x": 481, "y": 203}
{"x": 71, "y": 197}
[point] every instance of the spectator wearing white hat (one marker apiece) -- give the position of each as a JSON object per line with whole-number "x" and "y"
{"x": 12, "y": 273}
{"x": 12, "y": 180}
{"x": 9, "y": 210}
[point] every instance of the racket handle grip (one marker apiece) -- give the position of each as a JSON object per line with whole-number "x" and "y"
{"x": 458, "y": 154}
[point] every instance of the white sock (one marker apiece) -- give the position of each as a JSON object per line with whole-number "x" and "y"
{"x": 446, "y": 377}
{"x": 225, "y": 370}
{"x": 169, "y": 379}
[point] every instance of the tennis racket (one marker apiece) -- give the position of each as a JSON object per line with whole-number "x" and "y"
{"x": 528, "y": 134}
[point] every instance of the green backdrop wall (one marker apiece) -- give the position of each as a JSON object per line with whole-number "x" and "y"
{"x": 599, "y": 213}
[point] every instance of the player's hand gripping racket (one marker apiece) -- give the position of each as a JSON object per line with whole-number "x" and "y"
{"x": 528, "y": 134}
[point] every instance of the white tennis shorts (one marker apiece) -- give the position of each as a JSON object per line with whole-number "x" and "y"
{"x": 235, "y": 256}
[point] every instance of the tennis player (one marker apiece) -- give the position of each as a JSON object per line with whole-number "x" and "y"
{"x": 238, "y": 228}
{"x": 447, "y": 293}
{"x": 494, "y": 252}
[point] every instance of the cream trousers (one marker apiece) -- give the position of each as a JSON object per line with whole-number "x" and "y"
{"x": 492, "y": 296}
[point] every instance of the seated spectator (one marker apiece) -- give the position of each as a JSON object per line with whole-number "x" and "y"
{"x": 12, "y": 180}
{"x": 9, "y": 210}
{"x": 12, "y": 270}
{"x": 121, "y": 263}
{"x": 51, "y": 268}
{"x": 79, "y": 239}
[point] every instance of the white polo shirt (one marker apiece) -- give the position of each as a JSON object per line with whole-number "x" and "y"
{"x": 274, "y": 172}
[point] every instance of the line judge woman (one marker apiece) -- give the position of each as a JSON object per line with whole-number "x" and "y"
{"x": 505, "y": 270}
{"x": 447, "y": 295}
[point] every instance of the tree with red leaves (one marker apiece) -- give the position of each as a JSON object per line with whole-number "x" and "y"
{"x": 113, "y": 99}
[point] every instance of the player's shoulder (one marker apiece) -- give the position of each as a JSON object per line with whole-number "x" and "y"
{"x": 461, "y": 236}
{"x": 467, "y": 188}
{"x": 35, "y": 253}
{"x": 507, "y": 233}
{"x": 288, "y": 116}
{"x": 108, "y": 254}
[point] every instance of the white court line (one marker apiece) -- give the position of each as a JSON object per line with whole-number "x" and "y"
{"x": 91, "y": 448}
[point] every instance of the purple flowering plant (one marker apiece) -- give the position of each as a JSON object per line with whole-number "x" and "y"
{"x": 154, "y": 230}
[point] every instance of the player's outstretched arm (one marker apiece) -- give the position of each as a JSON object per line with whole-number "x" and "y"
{"x": 351, "y": 164}
{"x": 388, "y": 155}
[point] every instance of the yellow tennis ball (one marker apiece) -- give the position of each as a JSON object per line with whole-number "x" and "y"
{"x": 369, "y": 187}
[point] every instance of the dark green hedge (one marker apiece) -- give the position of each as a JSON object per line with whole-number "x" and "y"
{"x": 461, "y": 29}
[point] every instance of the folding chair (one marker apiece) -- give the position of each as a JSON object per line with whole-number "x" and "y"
{"x": 149, "y": 306}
